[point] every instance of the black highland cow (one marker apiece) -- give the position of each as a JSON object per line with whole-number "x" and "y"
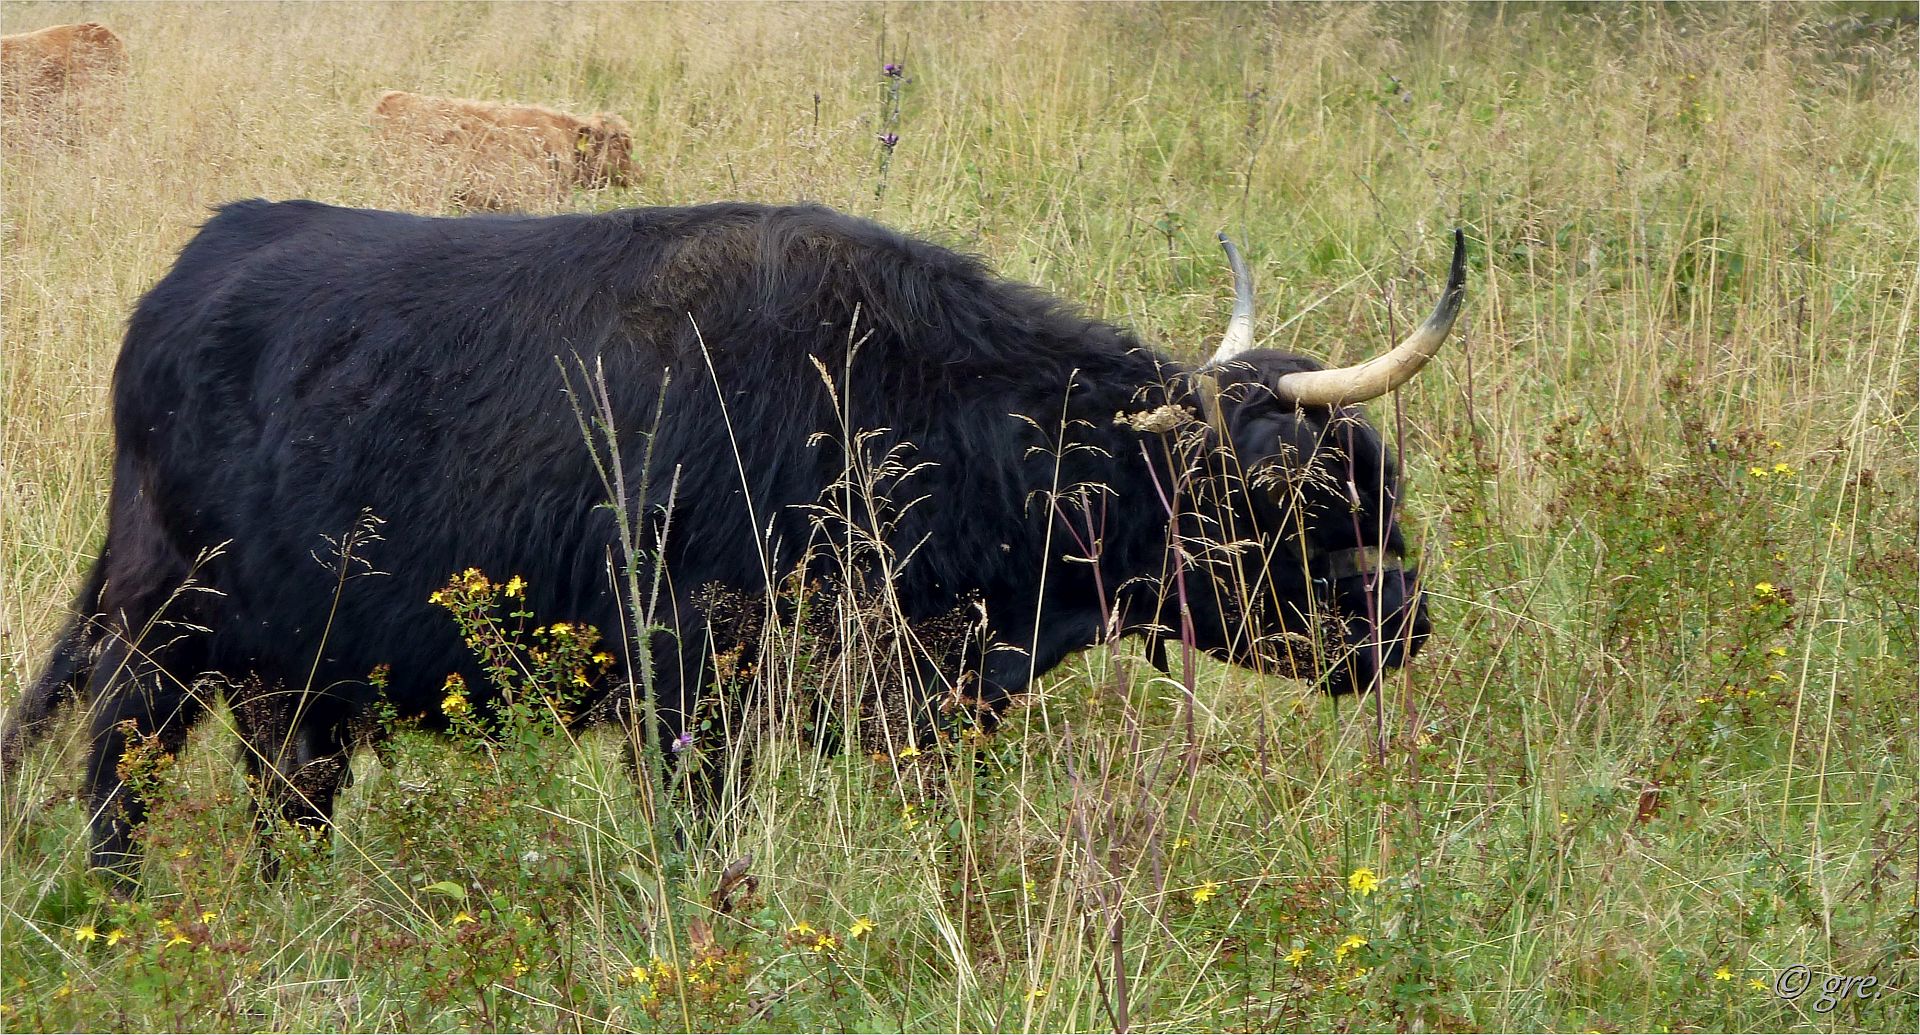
{"x": 302, "y": 367}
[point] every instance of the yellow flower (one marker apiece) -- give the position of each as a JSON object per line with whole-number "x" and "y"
{"x": 1564, "y": 818}
{"x": 861, "y": 928}
{"x": 1758, "y": 985}
{"x": 177, "y": 939}
{"x": 825, "y": 943}
{"x": 1353, "y": 942}
{"x": 637, "y": 974}
{"x": 116, "y": 936}
{"x": 1298, "y": 955}
{"x": 515, "y": 587}
{"x": 208, "y": 916}
{"x": 1784, "y": 468}
{"x": 1662, "y": 548}
{"x": 1776, "y": 652}
{"x": 462, "y": 917}
{"x": 1036, "y": 992}
{"x": 1763, "y": 589}
{"x": 1204, "y": 892}
{"x": 1363, "y": 880}
{"x": 85, "y": 933}
{"x": 1358, "y": 976}
{"x": 520, "y": 966}
{"x": 1183, "y": 841}
{"x": 1757, "y": 471}
{"x": 802, "y": 928}
{"x": 455, "y": 705}
{"x": 603, "y": 658}
{"x": 1723, "y": 974}
{"x": 560, "y": 628}
{"x": 908, "y": 752}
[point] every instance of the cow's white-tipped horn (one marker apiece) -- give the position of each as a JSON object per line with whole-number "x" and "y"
{"x": 1239, "y": 336}
{"x": 1382, "y": 374}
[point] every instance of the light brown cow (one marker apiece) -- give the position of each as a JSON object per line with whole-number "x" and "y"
{"x": 58, "y": 69}
{"x": 501, "y": 155}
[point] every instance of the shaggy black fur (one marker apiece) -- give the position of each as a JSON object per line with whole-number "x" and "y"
{"x": 303, "y": 366}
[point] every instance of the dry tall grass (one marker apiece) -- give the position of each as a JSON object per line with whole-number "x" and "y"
{"x": 1695, "y": 259}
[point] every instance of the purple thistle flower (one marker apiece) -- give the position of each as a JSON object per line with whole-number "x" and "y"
{"x": 682, "y": 742}
{"x": 893, "y": 70}
{"x": 887, "y": 140}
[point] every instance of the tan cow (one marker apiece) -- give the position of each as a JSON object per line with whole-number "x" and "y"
{"x": 58, "y": 70}
{"x": 503, "y": 155}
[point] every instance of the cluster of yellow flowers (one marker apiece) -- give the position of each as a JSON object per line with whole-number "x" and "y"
{"x": 173, "y": 933}
{"x": 165, "y": 927}
{"x": 1725, "y": 973}
{"x": 455, "y": 703}
{"x": 466, "y": 585}
{"x": 804, "y": 935}
{"x": 652, "y": 979}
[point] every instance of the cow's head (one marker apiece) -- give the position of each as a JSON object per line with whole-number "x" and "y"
{"x": 1294, "y": 529}
{"x": 605, "y": 147}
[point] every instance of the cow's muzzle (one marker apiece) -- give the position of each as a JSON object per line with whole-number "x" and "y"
{"x": 1381, "y": 615}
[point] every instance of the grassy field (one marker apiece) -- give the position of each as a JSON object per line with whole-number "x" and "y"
{"x": 1660, "y": 753}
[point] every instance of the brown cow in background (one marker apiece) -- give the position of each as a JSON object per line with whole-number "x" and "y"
{"x": 503, "y": 155}
{"x": 61, "y": 69}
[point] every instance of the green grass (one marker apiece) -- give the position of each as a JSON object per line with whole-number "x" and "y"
{"x": 1622, "y": 765}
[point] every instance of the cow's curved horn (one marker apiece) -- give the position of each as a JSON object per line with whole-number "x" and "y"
{"x": 1382, "y": 374}
{"x": 1239, "y": 336}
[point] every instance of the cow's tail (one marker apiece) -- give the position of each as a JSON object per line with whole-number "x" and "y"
{"x": 63, "y": 677}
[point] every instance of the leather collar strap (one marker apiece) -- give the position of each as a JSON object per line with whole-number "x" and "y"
{"x": 1361, "y": 560}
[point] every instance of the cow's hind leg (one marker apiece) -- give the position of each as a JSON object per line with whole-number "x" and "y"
{"x": 143, "y": 708}
{"x": 141, "y": 686}
{"x": 295, "y": 761}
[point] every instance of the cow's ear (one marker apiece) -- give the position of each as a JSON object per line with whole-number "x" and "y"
{"x": 1253, "y": 427}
